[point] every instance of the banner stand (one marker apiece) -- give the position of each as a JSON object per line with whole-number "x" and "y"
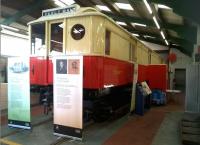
{"x": 19, "y": 115}
{"x": 19, "y": 124}
{"x": 68, "y": 96}
{"x": 67, "y": 136}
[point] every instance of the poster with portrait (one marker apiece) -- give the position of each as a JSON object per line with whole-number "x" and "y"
{"x": 19, "y": 93}
{"x": 68, "y": 96}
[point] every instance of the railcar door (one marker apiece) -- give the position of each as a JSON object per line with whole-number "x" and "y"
{"x": 38, "y": 55}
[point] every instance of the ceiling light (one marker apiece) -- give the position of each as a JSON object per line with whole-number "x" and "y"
{"x": 162, "y": 34}
{"x": 176, "y": 44}
{"x": 148, "y": 6}
{"x": 166, "y": 42}
{"x": 134, "y": 34}
{"x": 10, "y": 28}
{"x": 103, "y": 8}
{"x": 147, "y": 36}
{"x": 163, "y": 7}
{"x": 124, "y": 6}
{"x": 139, "y": 24}
{"x": 156, "y": 22}
{"x": 68, "y": 2}
{"x": 60, "y": 3}
{"x": 8, "y": 32}
{"x": 121, "y": 23}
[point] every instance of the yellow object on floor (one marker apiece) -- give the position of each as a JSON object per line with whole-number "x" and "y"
{"x": 7, "y": 142}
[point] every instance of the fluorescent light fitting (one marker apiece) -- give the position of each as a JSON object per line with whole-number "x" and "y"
{"x": 10, "y": 28}
{"x": 68, "y": 2}
{"x": 175, "y": 44}
{"x": 134, "y": 34}
{"x": 166, "y": 42}
{"x": 103, "y": 8}
{"x": 148, "y": 6}
{"x": 139, "y": 24}
{"x": 156, "y": 22}
{"x": 121, "y": 23}
{"x": 147, "y": 36}
{"x": 124, "y": 6}
{"x": 60, "y": 3}
{"x": 5, "y": 31}
{"x": 163, "y": 7}
{"x": 162, "y": 34}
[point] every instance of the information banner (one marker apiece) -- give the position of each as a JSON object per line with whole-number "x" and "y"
{"x": 68, "y": 96}
{"x": 19, "y": 93}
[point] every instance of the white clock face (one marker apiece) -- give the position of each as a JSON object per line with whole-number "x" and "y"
{"x": 78, "y": 31}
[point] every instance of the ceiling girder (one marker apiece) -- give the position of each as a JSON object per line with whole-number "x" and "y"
{"x": 187, "y": 8}
{"x": 115, "y": 9}
{"x": 186, "y": 32}
{"x": 33, "y": 6}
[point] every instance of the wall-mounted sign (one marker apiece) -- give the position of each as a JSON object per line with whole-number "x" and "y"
{"x": 78, "y": 31}
{"x": 68, "y": 96}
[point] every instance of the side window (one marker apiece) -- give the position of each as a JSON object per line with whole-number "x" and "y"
{"x": 134, "y": 55}
{"x": 107, "y": 42}
{"x": 56, "y": 37}
{"x": 38, "y": 39}
{"x": 130, "y": 52}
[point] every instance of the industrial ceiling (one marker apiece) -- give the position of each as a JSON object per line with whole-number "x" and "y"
{"x": 166, "y": 22}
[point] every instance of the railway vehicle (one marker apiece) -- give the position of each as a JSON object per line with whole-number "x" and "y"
{"x": 109, "y": 53}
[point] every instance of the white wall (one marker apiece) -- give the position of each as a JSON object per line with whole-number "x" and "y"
{"x": 181, "y": 63}
{"x": 17, "y": 45}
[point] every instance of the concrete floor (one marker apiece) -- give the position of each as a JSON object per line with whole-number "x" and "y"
{"x": 127, "y": 130}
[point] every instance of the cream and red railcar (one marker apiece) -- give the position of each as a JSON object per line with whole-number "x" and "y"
{"x": 109, "y": 52}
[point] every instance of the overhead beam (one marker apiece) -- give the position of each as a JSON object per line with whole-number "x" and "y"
{"x": 33, "y": 6}
{"x": 79, "y": 2}
{"x": 161, "y": 51}
{"x": 116, "y": 10}
{"x": 186, "y": 32}
{"x": 187, "y": 8}
{"x": 87, "y": 3}
{"x": 156, "y": 41}
{"x": 185, "y": 45}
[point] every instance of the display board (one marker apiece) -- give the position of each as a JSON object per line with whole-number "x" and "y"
{"x": 68, "y": 96}
{"x": 19, "y": 92}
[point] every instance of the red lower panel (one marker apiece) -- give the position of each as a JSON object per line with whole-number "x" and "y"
{"x": 38, "y": 72}
{"x": 50, "y": 71}
{"x": 117, "y": 72}
{"x": 157, "y": 76}
{"x": 142, "y": 73}
{"x": 98, "y": 72}
{"x": 93, "y": 67}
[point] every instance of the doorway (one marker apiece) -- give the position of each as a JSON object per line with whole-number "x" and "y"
{"x": 180, "y": 79}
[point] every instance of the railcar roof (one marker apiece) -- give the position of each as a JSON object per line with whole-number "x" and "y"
{"x": 80, "y": 12}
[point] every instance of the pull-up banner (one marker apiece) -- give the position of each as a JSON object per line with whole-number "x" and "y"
{"x": 18, "y": 93}
{"x": 68, "y": 96}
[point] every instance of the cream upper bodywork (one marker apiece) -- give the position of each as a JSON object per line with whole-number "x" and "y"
{"x": 93, "y": 43}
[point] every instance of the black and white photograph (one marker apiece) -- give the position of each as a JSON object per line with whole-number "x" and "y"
{"x": 61, "y": 66}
